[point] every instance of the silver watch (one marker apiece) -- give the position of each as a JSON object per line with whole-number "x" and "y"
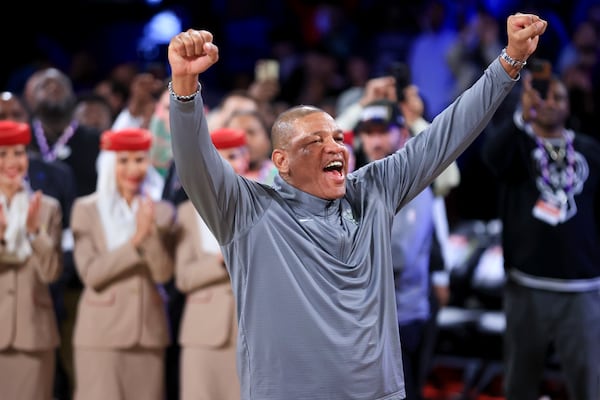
{"x": 511, "y": 61}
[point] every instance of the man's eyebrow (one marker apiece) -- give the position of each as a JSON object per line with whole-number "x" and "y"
{"x": 324, "y": 133}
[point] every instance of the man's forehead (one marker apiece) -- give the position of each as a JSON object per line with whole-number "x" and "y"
{"x": 316, "y": 123}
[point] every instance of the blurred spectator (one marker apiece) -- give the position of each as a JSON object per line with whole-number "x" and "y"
{"x": 265, "y": 98}
{"x": 115, "y": 93}
{"x": 380, "y": 88}
{"x": 579, "y": 67}
{"x": 30, "y": 87}
{"x": 315, "y": 79}
{"x": 549, "y": 207}
{"x": 358, "y": 72}
{"x": 93, "y": 110}
{"x": 428, "y": 58}
{"x": 581, "y": 50}
{"x": 477, "y": 45}
{"x": 258, "y": 142}
{"x": 235, "y": 100}
{"x": 54, "y": 179}
{"x": 30, "y": 254}
{"x": 12, "y": 108}
{"x": 56, "y": 134}
{"x": 143, "y": 93}
{"x": 123, "y": 237}
{"x": 208, "y": 332}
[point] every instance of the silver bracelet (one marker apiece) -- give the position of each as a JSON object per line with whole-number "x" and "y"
{"x": 188, "y": 97}
{"x": 511, "y": 61}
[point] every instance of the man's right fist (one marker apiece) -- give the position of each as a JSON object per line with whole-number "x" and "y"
{"x": 190, "y": 53}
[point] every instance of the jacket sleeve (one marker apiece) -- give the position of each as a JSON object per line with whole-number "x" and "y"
{"x": 195, "y": 268}
{"x": 226, "y": 201}
{"x": 425, "y": 156}
{"x": 46, "y": 246}
{"x": 156, "y": 249}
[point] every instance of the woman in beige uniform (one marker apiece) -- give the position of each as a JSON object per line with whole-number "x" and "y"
{"x": 30, "y": 259}
{"x": 122, "y": 253}
{"x": 208, "y": 328}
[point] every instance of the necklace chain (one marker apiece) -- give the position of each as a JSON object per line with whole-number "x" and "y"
{"x": 566, "y": 150}
{"x": 556, "y": 154}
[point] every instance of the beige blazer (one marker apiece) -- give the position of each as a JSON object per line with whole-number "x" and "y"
{"x": 120, "y": 306}
{"x": 26, "y": 308}
{"x": 209, "y": 317}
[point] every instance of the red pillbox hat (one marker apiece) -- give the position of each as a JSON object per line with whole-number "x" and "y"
{"x": 13, "y": 133}
{"x": 349, "y": 138}
{"x": 228, "y": 138}
{"x": 127, "y": 139}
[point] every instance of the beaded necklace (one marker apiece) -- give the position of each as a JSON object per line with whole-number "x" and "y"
{"x": 47, "y": 153}
{"x": 567, "y": 152}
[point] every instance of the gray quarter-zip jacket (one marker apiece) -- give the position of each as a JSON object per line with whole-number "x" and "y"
{"x": 313, "y": 278}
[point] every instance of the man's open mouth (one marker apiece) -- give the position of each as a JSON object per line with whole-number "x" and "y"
{"x": 335, "y": 166}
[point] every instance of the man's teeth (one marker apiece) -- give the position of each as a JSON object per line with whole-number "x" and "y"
{"x": 334, "y": 164}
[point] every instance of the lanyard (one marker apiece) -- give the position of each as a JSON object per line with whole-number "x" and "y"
{"x": 47, "y": 153}
{"x": 568, "y": 153}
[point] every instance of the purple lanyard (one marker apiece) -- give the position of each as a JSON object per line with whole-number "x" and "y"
{"x": 570, "y": 157}
{"x": 47, "y": 153}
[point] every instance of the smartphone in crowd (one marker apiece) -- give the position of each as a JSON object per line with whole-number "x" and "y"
{"x": 401, "y": 73}
{"x": 541, "y": 71}
{"x": 266, "y": 70}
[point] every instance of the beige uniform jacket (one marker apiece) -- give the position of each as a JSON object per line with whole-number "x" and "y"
{"x": 26, "y": 308}
{"x": 120, "y": 306}
{"x": 208, "y": 318}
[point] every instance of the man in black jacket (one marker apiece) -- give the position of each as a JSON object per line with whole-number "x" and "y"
{"x": 549, "y": 180}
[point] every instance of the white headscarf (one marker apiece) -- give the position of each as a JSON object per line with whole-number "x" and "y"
{"x": 18, "y": 247}
{"x": 209, "y": 242}
{"x": 118, "y": 217}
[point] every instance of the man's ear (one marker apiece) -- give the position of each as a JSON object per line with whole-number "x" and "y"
{"x": 279, "y": 158}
